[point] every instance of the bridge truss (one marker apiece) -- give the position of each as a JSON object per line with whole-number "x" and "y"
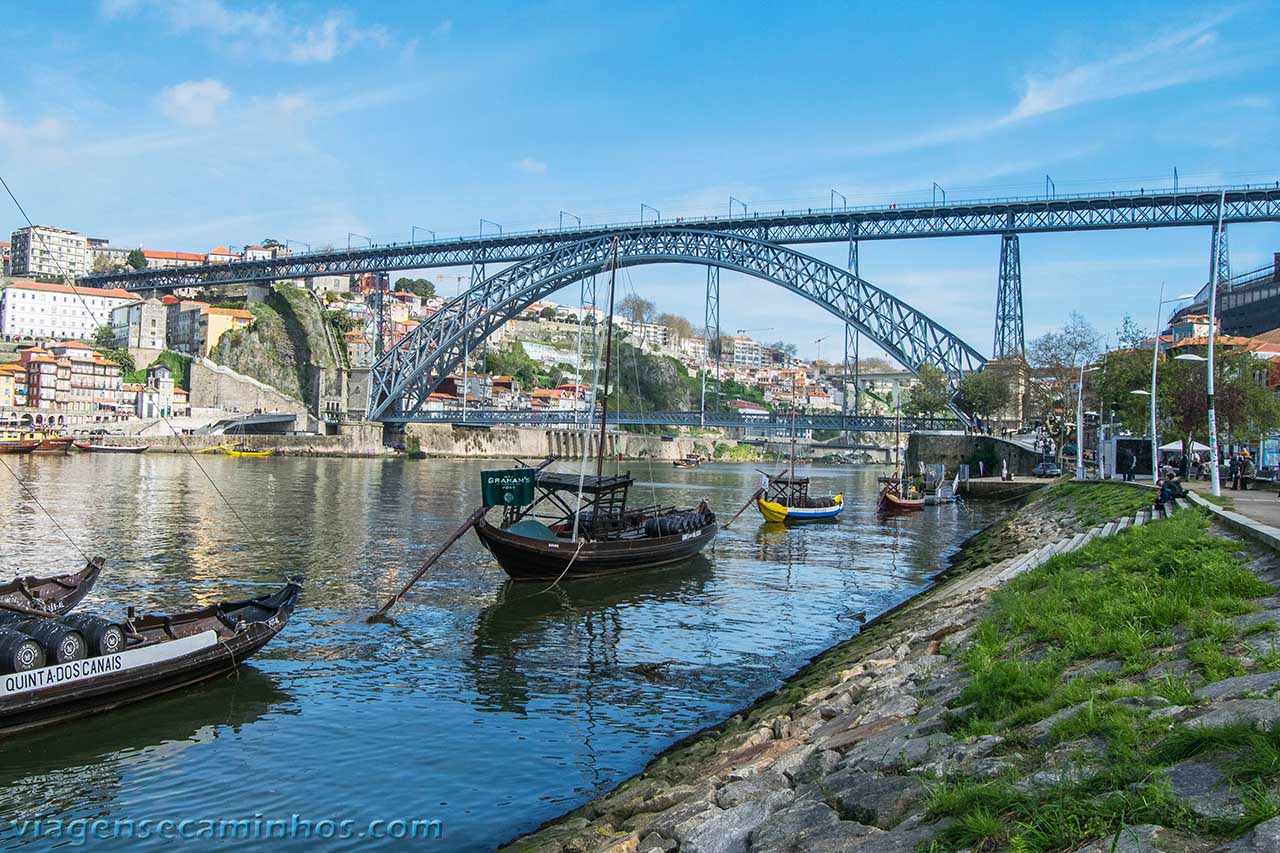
{"x": 403, "y": 379}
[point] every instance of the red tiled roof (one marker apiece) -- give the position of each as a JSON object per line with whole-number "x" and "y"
{"x": 112, "y": 292}
{"x": 172, "y": 256}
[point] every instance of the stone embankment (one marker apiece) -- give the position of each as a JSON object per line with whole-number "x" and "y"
{"x": 1004, "y": 709}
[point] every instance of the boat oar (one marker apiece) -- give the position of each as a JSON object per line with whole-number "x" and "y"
{"x": 439, "y": 552}
{"x": 757, "y": 493}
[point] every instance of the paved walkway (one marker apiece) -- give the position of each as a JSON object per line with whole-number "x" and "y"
{"x": 1259, "y": 504}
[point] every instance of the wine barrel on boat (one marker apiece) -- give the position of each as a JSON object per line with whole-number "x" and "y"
{"x": 61, "y": 643}
{"x": 18, "y": 652}
{"x": 104, "y": 637}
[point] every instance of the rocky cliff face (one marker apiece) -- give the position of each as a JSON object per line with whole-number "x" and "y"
{"x": 285, "y": 346}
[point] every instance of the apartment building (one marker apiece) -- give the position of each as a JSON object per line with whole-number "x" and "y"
{"x": 749, "y": 353}
{"x": 31, "y": 309}
{"x": 47, "y": 251}
{"x": 141, "y": 325}
{"x": 194, "y": 328}
{"x": 171, "y": 260}
{"x": 112, "y": 256}
{"x": 70, "y": 377}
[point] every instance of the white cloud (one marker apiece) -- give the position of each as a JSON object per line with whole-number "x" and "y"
{"x": 194, "y": 102}
{"x": 1171, "y": 59}
{"x": 262, "y": 31}
{"x": 1255, "y": 102}
{"x": 532, "y": 166}
{"x": 443, "y": 28}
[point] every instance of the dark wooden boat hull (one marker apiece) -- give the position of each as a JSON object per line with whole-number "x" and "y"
{"x": 44, "y": 706}
{"x": 54, "y": 595}
{"x": 110, "y": 448}
{"x": 54, "y": 446}
{"x": 533, "y": 559}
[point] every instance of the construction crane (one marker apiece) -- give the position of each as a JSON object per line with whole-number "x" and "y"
{"x": 457, "y": 278}
{"x": 819, "y": 343}
{"x": 762, "y": 329}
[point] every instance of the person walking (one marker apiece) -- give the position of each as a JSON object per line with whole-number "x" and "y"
{"x": 1233, "y": 472}
{"x": 1247, "y": 470}
{"x": 1131, "y": 474}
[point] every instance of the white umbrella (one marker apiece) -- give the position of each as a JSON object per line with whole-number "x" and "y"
{"x": 1177, "y": 446}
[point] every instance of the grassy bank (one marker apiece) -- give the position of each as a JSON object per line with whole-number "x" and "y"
{"x": 1071, "y": 668}
{"x": 1047, "y": 516}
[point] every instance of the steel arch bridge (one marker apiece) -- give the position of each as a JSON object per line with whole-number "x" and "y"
{"x": 406, "y": 375}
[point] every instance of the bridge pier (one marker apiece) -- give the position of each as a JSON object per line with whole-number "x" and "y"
{"x": 711, "y": 338}
{"x": 1219, "y": 257}
{"x": 1009, "y": 340}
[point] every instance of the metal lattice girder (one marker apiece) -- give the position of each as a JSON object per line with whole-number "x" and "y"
{"x": 1009, "y": 340}
{"x": 1062, "y": 213}
{"x": 711, "y": 337}
{"x": 780, "y": 422}
{"x": 1221, "y": 256}
{"x": 402, "y": 380}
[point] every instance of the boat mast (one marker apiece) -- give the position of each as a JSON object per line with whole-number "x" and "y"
{"x": 793, "y": 430}
{"x": 608, "y": 349}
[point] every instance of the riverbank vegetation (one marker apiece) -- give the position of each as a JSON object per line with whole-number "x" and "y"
{"x": 1045, "y": 516}
{"x": 1081, "y": 666}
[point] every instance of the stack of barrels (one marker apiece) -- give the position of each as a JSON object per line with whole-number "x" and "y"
{"x": 31, "y": 642}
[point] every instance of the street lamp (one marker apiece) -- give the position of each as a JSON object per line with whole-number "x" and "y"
{"x": 1080, "y": 421}
{"x": 1155, "y": 361}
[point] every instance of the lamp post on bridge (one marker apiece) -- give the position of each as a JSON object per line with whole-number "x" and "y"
{"x": 565, "y": 213}
{"x": 844, "y": 202}
{"x": 657, "y": 214}
{"x": 733, "y": 201}
{"x": 351, "y": 234}
{"x": 414, "y": 229}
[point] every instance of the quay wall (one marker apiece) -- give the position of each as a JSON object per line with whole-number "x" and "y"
{"x": 956, "y": 448}
{"x": 535, "y": 443}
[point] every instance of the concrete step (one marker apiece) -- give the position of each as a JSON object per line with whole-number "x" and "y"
{"x": 1123, "y": 523}
{"x": 1108, "y": 529}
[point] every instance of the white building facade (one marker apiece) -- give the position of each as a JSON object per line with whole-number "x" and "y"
{"x": 30, "y": 309}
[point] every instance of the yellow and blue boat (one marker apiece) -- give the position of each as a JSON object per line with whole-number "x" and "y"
{"x": 786, "y": 500}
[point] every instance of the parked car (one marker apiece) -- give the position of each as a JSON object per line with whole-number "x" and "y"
{"x": 1047, "y": 469}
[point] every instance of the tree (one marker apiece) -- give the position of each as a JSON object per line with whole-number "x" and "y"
{"x": 637, "y": 309}
{"x": 136, "y": 259}
{"x": 270, "y": 243}
{"x": 121, "y": 357}
{"x": 102, "y": 264}
{"x": 104, "y": 337}
{"x": 930, "y": 393}
{"x": 873, "y": 365}
{"x": 984, "y": 392}
{"x": 1130, "y": 334}
{"x": 421, "y": 287}
{"x": 679, "y": 327}
{"x": 1058, "y": 357}
{"x": 784, "y": 346}
{"x": 548, "y": 313}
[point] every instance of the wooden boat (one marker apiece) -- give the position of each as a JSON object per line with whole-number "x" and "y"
{"x": 892, "y": 498}
{"x": 693, "y": 460}
{"x": 52, "y": 444}
{"x": 89, "y": 447}
{"x": 57, "y": 594}
{"x": 598, "y": 534}
{"x": 161, "y": 654}
{"x": 606, "y": 538}
{"x": 13, "y": 446}
{"x": 238, "y": 449}
{"x": 786, "y": 500}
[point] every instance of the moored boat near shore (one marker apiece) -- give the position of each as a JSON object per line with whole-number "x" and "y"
{"x": 89, "y": 447}
{"x": 53, "y": 595}
{"x": 162, "y": 653}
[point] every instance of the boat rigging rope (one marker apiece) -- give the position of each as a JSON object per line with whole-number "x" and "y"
{"x": 31, "y": 495}
{"x": 635, "y": 362}
{"x": 70, "y": 283}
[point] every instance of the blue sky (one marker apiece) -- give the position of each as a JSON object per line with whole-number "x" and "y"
{"x": 186, "y": 124}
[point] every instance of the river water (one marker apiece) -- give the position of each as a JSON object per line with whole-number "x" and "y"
{"x": 485, "y": 705}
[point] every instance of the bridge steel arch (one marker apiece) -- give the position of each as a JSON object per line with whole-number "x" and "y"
{"x": 407, "y": 374}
